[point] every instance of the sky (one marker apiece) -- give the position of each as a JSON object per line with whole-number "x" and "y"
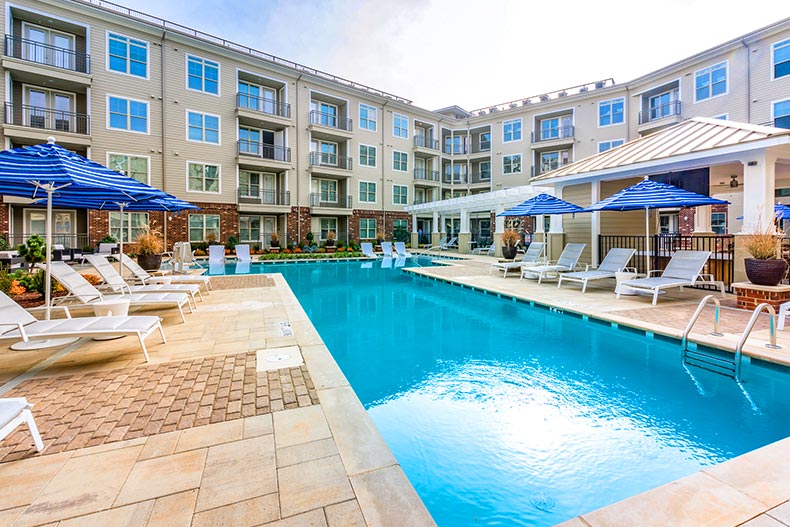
{"x": 474, "y": 54}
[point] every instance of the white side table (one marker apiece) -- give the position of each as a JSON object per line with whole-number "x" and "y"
{"x": 111, "y": 308}
{"x": 624, "y": 276}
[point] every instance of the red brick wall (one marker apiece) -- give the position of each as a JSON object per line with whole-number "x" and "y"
{"x": 384, "y": 223}
{"x": 686, "y": 218}
{"x": 296, "y": 233}
{"x": 5, "y": 218}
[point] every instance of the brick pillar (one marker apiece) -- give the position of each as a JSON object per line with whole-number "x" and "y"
{"x": 298, "y": 224}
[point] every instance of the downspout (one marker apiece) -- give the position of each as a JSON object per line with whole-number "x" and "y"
{"x": 298, "y": 172}
{"x": 383, "y": 185}
{"x": 748, "y": 82}
{"x": 164, "y": 129}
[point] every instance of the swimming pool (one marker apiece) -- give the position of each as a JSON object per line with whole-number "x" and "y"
{"x": 506, "y": 414}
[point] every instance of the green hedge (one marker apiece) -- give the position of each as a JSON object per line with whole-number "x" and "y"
{"x": 309, "y": 256}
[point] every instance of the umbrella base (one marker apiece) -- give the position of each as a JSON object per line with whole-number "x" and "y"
{"x": 41, "y": 344}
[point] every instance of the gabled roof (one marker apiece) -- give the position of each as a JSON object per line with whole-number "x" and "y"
{"x": 697, "y": 134}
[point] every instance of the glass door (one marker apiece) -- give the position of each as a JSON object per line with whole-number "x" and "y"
{"x": 269, "y": 189}
{"x": 269, "y": 227}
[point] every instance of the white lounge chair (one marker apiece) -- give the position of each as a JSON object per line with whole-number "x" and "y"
{"x": 489, "y": 251}
{"x": 243, "y": 253}
{"x": 367, "y": 249}
{"x": 532, "y": 256}
{"x": 615, "y": 261}
{"x": 452, "y": 243}
{"x": 25, "y": 326}
{"x": 107, "y": 248}
{"x": 567, "y": 262}
{"x": 216, "y": 254}
{"x": 386, "y": 249}
{"x": 142, "y": 276}
{"x": 85, "y": 293}
{"x": 683, "y": 269}
{"x": 400, "y": 248}
{"x": 183, "y": 257}
{"x": 13, "y": 412}
{"x": 117, "y": 284}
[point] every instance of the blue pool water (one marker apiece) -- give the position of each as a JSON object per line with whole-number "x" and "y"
{"x": 506, "y": 414}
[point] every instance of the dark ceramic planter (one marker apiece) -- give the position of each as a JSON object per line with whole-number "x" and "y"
{"x": 149, "y": 262}
{"x": 509, "y": 252}
{"x": 765, "y": 272}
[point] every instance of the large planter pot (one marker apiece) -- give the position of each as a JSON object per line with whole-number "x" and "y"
{"x": 509, "y": 252}
{"x": 765, "y": 272}
{"x": 149, "y": 262}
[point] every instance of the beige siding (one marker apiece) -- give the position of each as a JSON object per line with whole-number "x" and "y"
{"x": 629, "y": 223}
{"x": 578, "y": 227}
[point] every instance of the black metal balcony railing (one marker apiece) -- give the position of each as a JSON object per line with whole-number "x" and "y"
{"x": 47, "y": 118}
{"x": 552, "y": 134}
{"x": 30, "y": 50}
{"x": 426, "y": 175}
{"x": 659, "y": 112}
{"x": 68, "y": 241}
{"x": 455, "y": 150}
{"x": 322, "y": 159}
{"x": 330, "y": 120}
{"x": 779, "y": 122}
{"x": 255, "y": 195}
{"x": 337, "y": 201}
{"x": 454, "y": 178}
{"x": 263, "y": 105}
{"x": 423, "y": 141}
{"x": 263, "y": 151}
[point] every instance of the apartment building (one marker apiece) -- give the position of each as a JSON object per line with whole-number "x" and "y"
{"x": 265, "y": 145}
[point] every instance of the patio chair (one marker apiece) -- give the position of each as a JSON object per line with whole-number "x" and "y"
{"x": 567, "y": 262}
{"x": 13, "y": 412}
{"x": 400, "y": 248}
{"x": 614, "y": 262}
{"x": 88, "y": 295}
{"x": 243, "y": 253}
{"x": 367, "y": 250}
{"x": 216, "y": 254}
{"x": 489, "y": 251}
{"x": 25, "y": 326}
{"x": 60, "y": 253}
{"x": 683, "y": 269}
{"x": 532, "y": 256}
{"x": 107, "y": 248}
{"x": 142, "y": 276}
{"x": 452, "y": 243}
{"x": 117, "y": 284}
{"x": 183, "y": 257}
{"x": 386, "y": 249}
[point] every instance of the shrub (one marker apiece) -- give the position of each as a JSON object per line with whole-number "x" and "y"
{"x": 509, "y": 238}
{"x": 6, "y": 281}
{"x": 149, "y": 241}
{"x": 33, "y": 250}
{"x": 762, "y": 243}
{"x": 108, "y": 239}
{"x": 401, "y": 234}
{"x": 4, "y": 245}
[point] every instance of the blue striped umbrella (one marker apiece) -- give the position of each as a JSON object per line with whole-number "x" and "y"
{"x": 781, "y": 211}
{"x": 540, "y": 205}
{"x": 649, "y": 195}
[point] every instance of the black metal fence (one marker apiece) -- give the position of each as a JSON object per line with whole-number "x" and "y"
{"x": 663, "y": 246}
{"x": 68, "y": 241}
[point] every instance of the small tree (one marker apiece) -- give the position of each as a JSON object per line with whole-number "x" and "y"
{"x": 33, "y": 251}
{"x": 401, "y": 234}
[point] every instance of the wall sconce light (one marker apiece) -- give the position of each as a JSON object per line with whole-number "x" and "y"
{"x": 734, "y": 181}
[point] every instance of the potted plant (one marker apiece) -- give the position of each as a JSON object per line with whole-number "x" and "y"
{"x": 330, "y": 242}
{"x": 510, "y": 239}
{"x": 274, "y": 243}
{"x": 379, "y": 239}
{"x": 764, "y": 267}
{"x": 149, "y": 249}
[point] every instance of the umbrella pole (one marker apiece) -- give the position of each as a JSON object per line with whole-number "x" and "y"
{"x": 647, "y": 241}
{"x": 120, "y": 250}
{"x": 48, "y": 250}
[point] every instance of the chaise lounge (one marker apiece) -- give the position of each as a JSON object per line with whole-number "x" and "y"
{"x": 683, "y": 269}
{"x": 567, "y": 262}
{"x": 144, "y": 277}
{"x": 13, "y": 412}
{"x": 614, "y": 262}
{"x": 532, "y": 256}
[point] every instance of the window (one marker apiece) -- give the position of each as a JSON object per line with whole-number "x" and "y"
{"x": 327, "y": 225}
{"x": 202, "y": 226}
{"x": 39, "y": 111}
{"x": 553, "y": 160}
{"x": 511, "y": 164}
{"x": 202, "y": 75}
{"x": 327, "y": 152}
{"x": 608, "y": 145}
{"x": 663, "y": 105}
{"x": 400, "y": 225}
{"x": 611, "y": 112}
{"x": 127, "y": 55}
{"x": 710, "y": 82}
{"x": 127, "y": 114}
{"x": 367, "y": 229}
{"x": 327, "y": 190}
{"x": 250, "y": 142}
{"x": 781, "y": 58}
{"x": 133, "y": 225}
{"x": 400, "y": 195}
{"x": 781, "y": 114}
{"x": 722, "y": 117}
{"x": 400, "y": 161}
{"x": 202, "y": 177}
{"x": 400, "y": 125}
{"x": 367, "y": 192}
{"x": 367, "y": 156}
{"x": 367, "y": 117}
{"x": 454, "y": 145}
{"x": 202, "y": 127}
{"x": 249, "y": 184}
{"x": 556, "y": 128}
{"x": 49, "y": 46}
{"x": 511, "y": 130}
{"x": 718, "y": 222}
{"x": 485, "y": 141}
{"x": 250, "y": 229}
{"x": 133, "y": 166}
{"x": 485, "y": 170}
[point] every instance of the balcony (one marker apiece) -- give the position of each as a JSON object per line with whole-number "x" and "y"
{"x": 330, "y": 126}
{"x": 659, "y": 117}
{"x": 480, "y": 177}
{"x": 553, "y": 137}
{"x": 455, "y": 179}
{"x": 255, "y": 199}
{"x": 483, "y": 147}
{"x": 425, "y": 146}
{"x": 263, "y": 155}
{"x": 455, "y": 150}
{"x": 33, "y": 122}
{"x": 779, "y": 122}
{"x": 262, "y": 112}
{"x": 427, "y": 176}
{"x": 32, "y": 51}
{"x": 323, "y": 204}
{"x": 332, "y": 164}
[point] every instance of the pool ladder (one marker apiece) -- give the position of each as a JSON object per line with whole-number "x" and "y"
{"x": 722, "y": 362}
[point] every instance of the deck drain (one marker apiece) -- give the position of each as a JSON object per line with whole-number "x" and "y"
{"x": 285, "y": 329}
{"x": 279, "y": 357}
{"x": 269, "y": 359}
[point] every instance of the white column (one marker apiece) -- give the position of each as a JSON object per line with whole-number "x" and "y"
{"x": 758, "y": 191}
{"x": 414, "y": 223}
{"x": 595, "y": 222}
{"x": 436, "y": 222}
{"x": 465, "y": 223}
{"x": 702, "y": 220}
{"x": 499, "y": 221}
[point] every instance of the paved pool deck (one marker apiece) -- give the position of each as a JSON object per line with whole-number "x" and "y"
{"x": 215, "y": 430}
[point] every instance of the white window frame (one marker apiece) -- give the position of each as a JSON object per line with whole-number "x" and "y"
{"x": 395, "y": 117}
{"x": 367, "y": 228}
{"x": 722, "y": 116}
{"x": 610, "y": 102}
{"x": 785, "y": 42}
{"x": 128, "y": 161}
{"x": 203, "y": 127}
{"x": 128, "y": 115}
{"x": 725, "y": 220}
{"x": 374, "y": 120}
{"x": 511, "y": 122}
{"x": 204, "y": 216}
{"x": 321, "y": 236}
{"x": 219, "y": 74}
{"x": 406, "y": 196}
{"x": 336, "y": 190}
{"x": 520, "y": 163}
{"x": 375, "y": 156}
{"x": 600, "y": 143}
{"x": 127, "y": 229}
{"x": 710, "y": 71}
{"x": 375, "y": 191}
{"x": 128, "y": 60}
{"x": 773, "y": 104}
{"x": 480, "y": 170}
{"x": 204, "y": 164}
{"x": 404, "y": 162}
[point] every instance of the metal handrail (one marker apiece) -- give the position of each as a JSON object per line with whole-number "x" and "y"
{"x": 424, "y": 141}
{"x": 697, "y": 313}
{"x": 324, "y": 159}
{"x": 330, "y": 120}
{"x": 745, "y": 335}
{"x": 263, "y": 150}
{"x": 47, "y": 118}
{"x": 563, "y": 132}
{"x": 658, "y": 112}
{"x": 32, "y": 51}
{"x": 263, "y": 105}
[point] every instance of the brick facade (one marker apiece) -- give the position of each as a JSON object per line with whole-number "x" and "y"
{"x": 750, "y": 295}
{"x": 5, "y": 218}
{"x": 385, "y": 222}
{"x": 298, "y": 224}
